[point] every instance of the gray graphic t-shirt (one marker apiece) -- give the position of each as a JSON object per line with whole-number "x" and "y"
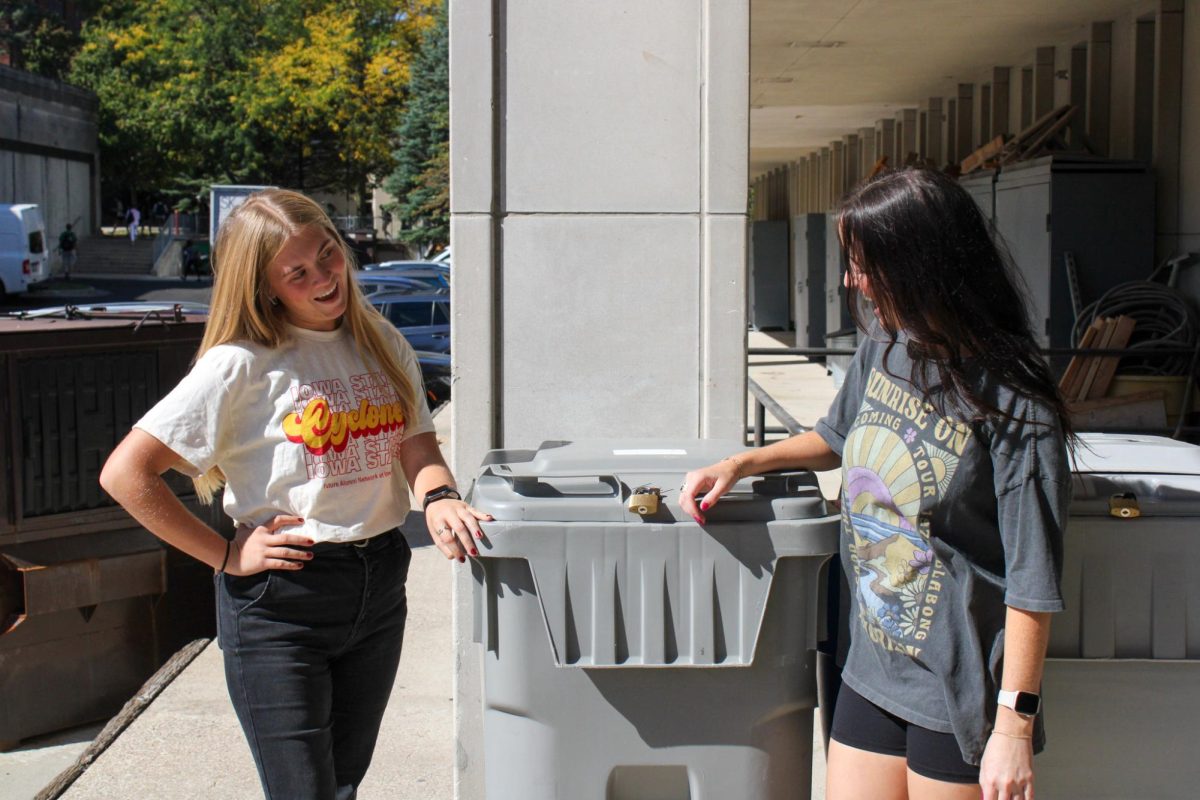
{"x": 945, "y": 522}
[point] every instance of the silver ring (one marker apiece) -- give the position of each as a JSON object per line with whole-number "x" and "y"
{"x": 443, "y": 531}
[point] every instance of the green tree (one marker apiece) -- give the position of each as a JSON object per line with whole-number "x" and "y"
{"x": 36, "y": 40}
{"x": 421, "y": 180}
{"x": 301, "y": 93}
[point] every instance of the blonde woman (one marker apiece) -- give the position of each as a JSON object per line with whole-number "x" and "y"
{"x": 307, "y": 406}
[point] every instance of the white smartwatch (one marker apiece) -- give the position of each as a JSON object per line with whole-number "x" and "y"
{"x": 1027, "y": 704}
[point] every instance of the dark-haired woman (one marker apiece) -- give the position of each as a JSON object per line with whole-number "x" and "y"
{"x": 951, "y": 437}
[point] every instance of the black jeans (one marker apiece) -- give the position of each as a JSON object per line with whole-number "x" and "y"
{"x": 310, "y": 658}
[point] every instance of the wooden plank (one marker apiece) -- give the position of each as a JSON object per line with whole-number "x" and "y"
{"x": 1144, "y": 410}
{"x": 1050, "y": 132}
{"x": 978, "y": 158}
{"x": 1103, "y": 340}
{"x": 151, "y": 689}
{"x": 1122, "y": 330}
{"x": 1070, "y": 379}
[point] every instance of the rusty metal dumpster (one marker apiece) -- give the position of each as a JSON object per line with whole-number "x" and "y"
{"x": 85, "y": 611}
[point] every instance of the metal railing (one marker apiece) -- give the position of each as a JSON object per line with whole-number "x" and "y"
{"x": 177, "y": 226}
{"x": 764, "y": 402}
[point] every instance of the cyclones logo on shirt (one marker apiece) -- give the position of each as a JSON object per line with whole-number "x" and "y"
{"x": 321, "y": 429}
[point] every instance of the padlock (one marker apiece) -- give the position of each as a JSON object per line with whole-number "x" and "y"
{"x": 1124, "y": 505}
{"x": 644, "y": 500}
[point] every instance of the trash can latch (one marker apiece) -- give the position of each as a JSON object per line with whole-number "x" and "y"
{"x": 644, "y": 500}
{"x": 1124, "y": 505}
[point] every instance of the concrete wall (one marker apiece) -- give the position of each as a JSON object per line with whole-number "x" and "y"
{"x": 598, "y": 221}
{"x": 1189, "y": 162}
{"x": 49, "y": 151}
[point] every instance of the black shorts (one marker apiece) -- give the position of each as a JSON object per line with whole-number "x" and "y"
{"x": 859, "y": 723}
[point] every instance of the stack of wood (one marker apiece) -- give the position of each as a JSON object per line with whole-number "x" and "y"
{"x": 1085, "y": 383}
{"x": 1044, "y": 135}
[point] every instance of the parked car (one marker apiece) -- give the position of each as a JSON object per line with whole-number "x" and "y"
{"x": 24, "y": 257}
{"x": 435, "y": 274}
{"x": 442, "y": 257}
{"x": 404, "y": 264}
{"x": 387, "y": 281}
{"x": 435, "y": 370}
{"x": 424, "y": 319}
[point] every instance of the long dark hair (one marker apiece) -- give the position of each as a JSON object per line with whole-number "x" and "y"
{"x": 936, "y": 272}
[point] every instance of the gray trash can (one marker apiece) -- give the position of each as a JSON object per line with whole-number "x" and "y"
{"x": 1122, "y": 678}
{"x": 633, "y": 654}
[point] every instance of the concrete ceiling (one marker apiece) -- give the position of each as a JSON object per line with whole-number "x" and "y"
{"x": 820, "y": 69}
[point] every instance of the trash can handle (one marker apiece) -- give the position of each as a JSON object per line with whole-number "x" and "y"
{"x": 560, "y": 484}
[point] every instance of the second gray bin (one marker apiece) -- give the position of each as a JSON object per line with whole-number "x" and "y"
{"x": 645, "y": 657}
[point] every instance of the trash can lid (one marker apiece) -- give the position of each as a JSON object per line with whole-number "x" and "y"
{"x": 1112, "y": 453}
{"x": 1156, "y": 475}
{"x": 596, "y": 481}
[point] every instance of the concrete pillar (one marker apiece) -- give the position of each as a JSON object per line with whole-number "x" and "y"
{"x": 965, "y": 125}
{"x": 1000, "y": 103}
{"x": 582, "y": 134}
{"x": 853, "y": 161}
{"x": 837, "y": 165}
{"x": 906, "y": 134}
{"x": 866, "y": 144}
{"x": 1168, "y": 117}
{"x": 952, "y": 131}
{"x": 885, "y": 141}
{"x": 984, "y": 130}
{"x": 1099, "y": 87}
{"x": 802, "y": 168}
{"x": 1043, "y": 82}
{"x": 1143, "y": 90}
{"x": 1026, "y": 98}
{"x": 826, "y": 179}
{"x": 1078, "y": 76}
{"x": 934, "y": 144}
{"x": 814, "y": 183}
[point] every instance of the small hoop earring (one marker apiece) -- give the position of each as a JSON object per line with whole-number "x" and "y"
{"x": 274, "y": 301}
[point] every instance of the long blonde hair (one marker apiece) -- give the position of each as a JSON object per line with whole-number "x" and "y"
{"x": 241, "y": 309}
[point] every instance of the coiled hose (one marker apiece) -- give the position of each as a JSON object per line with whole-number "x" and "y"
{"x": 1164, "y": 319}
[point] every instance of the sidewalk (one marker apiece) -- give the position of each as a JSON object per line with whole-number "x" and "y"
{"x": 187, "y": 744}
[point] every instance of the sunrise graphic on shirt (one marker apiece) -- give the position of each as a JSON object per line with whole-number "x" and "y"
{"x": 898, "y": 456}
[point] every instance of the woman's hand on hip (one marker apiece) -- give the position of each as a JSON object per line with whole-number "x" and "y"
{"x": 453, "y": 526}
{"x": 712, "y": 481}
{"x": 266, "y": 547}
{"x": 1006, "y": 772}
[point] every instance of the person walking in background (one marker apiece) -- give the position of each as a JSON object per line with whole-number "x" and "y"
{"x": 308, "y": 405}
{"x": 133, "y": 218}
{"x": 951, "y": 437}
{"x": 67, "y": 247}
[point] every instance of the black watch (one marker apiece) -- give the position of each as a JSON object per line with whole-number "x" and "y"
{"x": 440, "y": 493}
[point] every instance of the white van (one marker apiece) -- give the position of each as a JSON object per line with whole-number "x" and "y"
{"x": 24, "y": 256}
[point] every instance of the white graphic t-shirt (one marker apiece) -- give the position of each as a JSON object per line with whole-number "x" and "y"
{"x": 304, "y": 429}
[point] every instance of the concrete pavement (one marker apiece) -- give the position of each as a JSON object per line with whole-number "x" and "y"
{"x": 187, "y": 743}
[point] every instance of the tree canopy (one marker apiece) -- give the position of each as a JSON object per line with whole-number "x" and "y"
{"x": 302, "y": 93}
{"x": 421, "y": 180}
{"x": 37, "y": 40}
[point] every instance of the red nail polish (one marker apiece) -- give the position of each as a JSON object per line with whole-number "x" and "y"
{"x": 698, "y": 520}
{"x": 474, "y": 552}
{"x": 704, "y": 506}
